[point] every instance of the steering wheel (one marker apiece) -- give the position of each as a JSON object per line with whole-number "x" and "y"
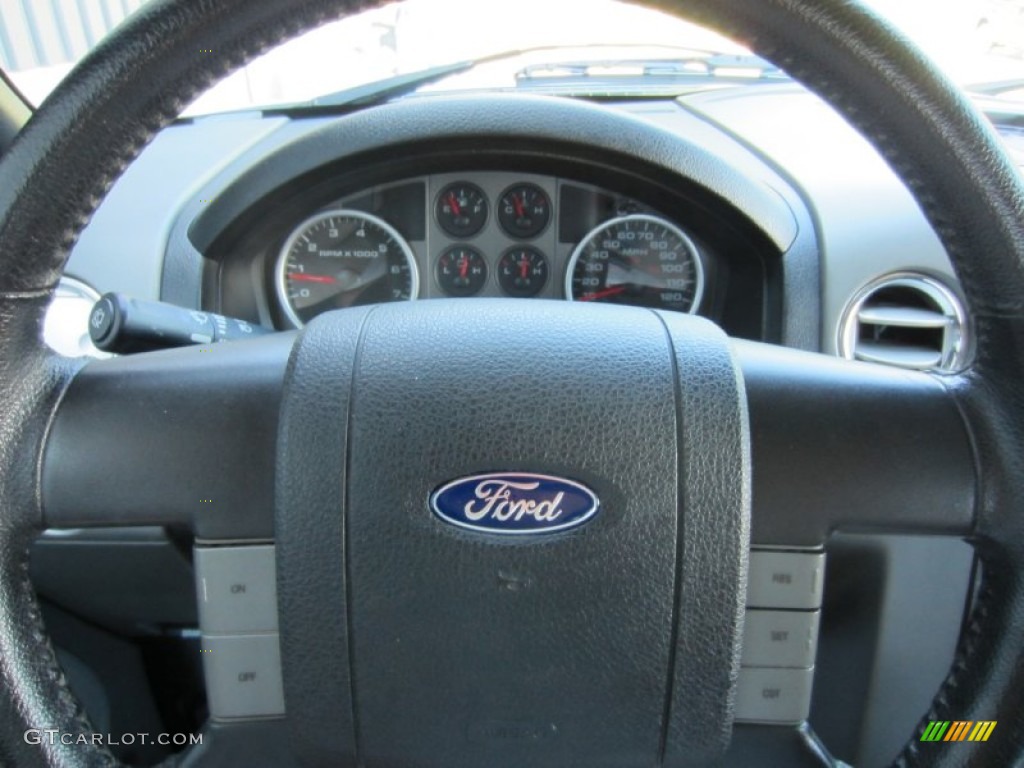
{"x": 619, "y": 644}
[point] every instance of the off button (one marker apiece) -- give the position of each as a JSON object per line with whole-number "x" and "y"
{"x": 243, "y": 676}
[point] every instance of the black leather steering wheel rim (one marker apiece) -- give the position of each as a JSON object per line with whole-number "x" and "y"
{"x": 100, "y": 117}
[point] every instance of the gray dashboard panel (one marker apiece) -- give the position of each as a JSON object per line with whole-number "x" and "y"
{"x": 122, "y": 248}
{"x": 868, "y": 223}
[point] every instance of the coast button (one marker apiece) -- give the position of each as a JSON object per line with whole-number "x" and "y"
{"x": 773, "y": 695}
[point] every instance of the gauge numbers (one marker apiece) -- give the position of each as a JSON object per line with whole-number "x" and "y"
{"x": 343, "y": 258}
{"x": 637, "y": 259}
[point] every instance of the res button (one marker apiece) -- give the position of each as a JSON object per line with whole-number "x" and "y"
{"x": 785, "y": 579}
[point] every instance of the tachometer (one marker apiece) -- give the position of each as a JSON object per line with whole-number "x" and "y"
{"x": 637, "y": 259}
{"x": 343, "y": 258}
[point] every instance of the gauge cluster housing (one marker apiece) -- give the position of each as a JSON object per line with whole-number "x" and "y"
{"x": 742, "y": 229}
{"x": 489, "y": 254}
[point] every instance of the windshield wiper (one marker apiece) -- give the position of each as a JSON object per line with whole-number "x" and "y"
{"x": 390, "y": 88}
{"x": 634, "y": 75}
{"x": 380, "y": 91}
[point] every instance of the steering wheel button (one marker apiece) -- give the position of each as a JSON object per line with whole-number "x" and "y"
{"x": 243, "y": 676}
{"x": 785, "y": 579}
{"x": 777, "y": 696}
{"x": 780, "y": 638}
{"x": 236, "y": 589}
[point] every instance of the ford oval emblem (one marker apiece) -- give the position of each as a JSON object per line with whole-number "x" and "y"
{"x": 514, "y": 503}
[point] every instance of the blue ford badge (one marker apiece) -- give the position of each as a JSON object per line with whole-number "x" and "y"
{"x": 514, "y": 503}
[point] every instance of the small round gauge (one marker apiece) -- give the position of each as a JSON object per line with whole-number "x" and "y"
{"x": 637, "y": 259}
{"x": 524, "y": 210}
{"x": 341, "y": 259}
{"x": 462, "y": 209}
{"x": 461, "y": 271}
{"x": 522, "y": 271}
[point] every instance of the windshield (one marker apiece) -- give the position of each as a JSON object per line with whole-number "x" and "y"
{"x": 980, "y": 43}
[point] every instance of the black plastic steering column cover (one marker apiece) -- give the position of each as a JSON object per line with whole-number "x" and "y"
{"x": 96, "y": 122}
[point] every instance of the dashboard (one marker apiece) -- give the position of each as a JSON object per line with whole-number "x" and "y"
{"x": 517, "y": 216}
{"x": 755, "y": 207}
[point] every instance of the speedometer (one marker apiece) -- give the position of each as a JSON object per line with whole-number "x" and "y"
{"x": 637, "y": 259}
{"x": 343, "y": 258}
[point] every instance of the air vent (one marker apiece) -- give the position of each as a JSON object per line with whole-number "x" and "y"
{"x": 907, "y": 320}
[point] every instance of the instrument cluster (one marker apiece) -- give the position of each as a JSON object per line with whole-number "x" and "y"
{"x": 486, "y": 234}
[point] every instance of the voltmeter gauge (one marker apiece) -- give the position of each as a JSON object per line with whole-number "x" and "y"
{"x": 522, "y": 271}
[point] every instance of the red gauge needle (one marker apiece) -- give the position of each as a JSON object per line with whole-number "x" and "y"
{"x": 519, "y": 208}
{"x": 304, "y": 278}
{"x": 602, "y": 294}
{"x": 463, "y": 267}
{"x": 524, "y": 268}
{"x": 454, "y": 203}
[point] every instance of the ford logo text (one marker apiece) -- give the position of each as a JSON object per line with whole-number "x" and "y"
{"x": 514, "y": 503}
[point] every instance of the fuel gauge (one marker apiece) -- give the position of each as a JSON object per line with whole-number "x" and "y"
{"x": 462, "y": 209}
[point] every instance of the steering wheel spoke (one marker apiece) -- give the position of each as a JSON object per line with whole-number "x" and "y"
{"x": 857, "y": 446}
{"x": 182, "y": 437}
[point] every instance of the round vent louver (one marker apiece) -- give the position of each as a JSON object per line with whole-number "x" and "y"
{"x": 906, "y": 320}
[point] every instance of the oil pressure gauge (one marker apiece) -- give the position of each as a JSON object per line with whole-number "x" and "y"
{"x": 461, "y": 271}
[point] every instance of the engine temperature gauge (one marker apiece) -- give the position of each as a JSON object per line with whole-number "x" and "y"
{"x": 524, "y": 210}
{"x": 461, "y": 271}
